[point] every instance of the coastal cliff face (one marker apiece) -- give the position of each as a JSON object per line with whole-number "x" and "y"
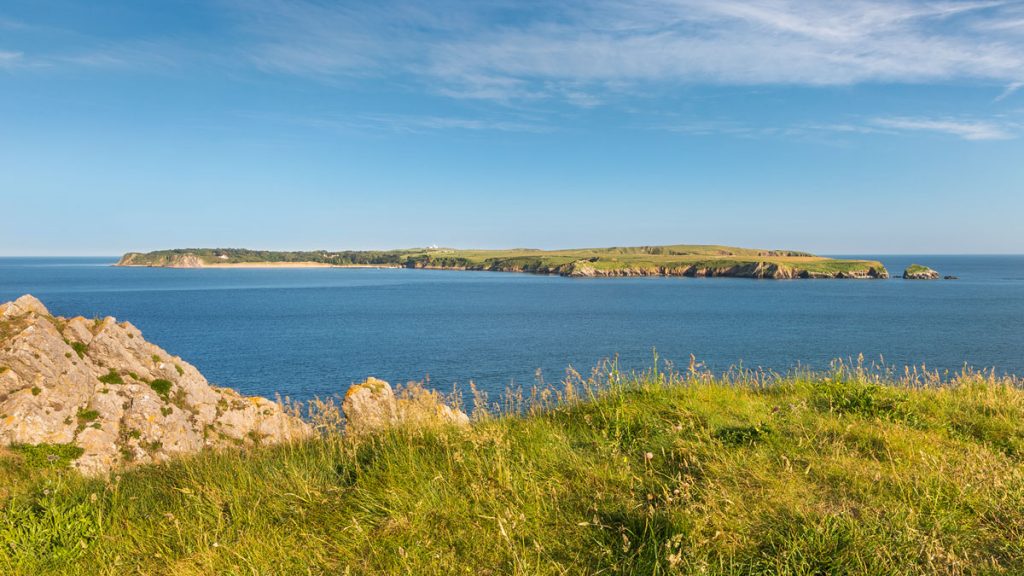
{"x": 98, "y": 386}
{"x": 760, "y": 270}
{"x": 587, "y": 269}
{"x": 184, "y": 260}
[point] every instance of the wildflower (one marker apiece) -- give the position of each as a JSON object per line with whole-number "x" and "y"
{"x": 649, "y": 456}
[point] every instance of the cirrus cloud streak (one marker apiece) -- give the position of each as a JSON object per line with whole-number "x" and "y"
{"x": 583, "y": 50}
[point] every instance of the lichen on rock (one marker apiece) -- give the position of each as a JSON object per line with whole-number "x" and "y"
{"x": 98, "y": 385}
{"x": 372, "y": 405}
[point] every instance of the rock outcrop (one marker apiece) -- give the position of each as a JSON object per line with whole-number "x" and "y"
{"x": 918, "y": 272}
{"x": 97, "y": 384}
{"x": 372, "y": 406}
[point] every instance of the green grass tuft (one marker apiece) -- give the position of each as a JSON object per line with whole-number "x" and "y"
{"x": 742, "y": 435}
{"x": 80, "y": 348}
{"x": 161, "y": 386}
{"x": 111, "y": 377}
{"x": 47, "y": 455}
{"x": 48, "y": 528}
{"x": 85, "y": 415}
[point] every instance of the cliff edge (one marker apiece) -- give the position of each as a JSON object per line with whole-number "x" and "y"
{"x": 98, "y": 387}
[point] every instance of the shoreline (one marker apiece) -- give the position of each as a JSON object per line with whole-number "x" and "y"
{"x": 609, "y": 276}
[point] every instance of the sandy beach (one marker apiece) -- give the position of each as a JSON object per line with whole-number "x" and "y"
{"x": 272, "y": 265}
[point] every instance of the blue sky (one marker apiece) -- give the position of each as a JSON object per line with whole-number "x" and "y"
{"x": 838, "y": 127}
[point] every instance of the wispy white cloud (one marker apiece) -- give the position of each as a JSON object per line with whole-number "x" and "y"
{"x": 416, "y": 123}
{"x": 526, "y": 54}
{"x": 704, "y": 127}
{"x": 44, "y": 47}
{"x": 136, "y": 55}
{"x": 966, "y": 129}
{"x": 587, "y": 52}
{"x": 742, "y": 43}
{"x": 574, "y": 51}
{"x": 407, "y": 123}
{"x": 312, "y": 39}
{"x": 1009, "y": 91}
{"x": 846, "y": 128}
{"x": 10, "y": 59}
{"x": 10, "y": 24}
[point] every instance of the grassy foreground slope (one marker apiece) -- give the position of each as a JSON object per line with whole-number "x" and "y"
{"x": 680, "y": 260}
{"x": 658, "y": 474}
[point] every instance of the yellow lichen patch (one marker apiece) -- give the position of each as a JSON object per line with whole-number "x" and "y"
{"x": 374, "y": 384}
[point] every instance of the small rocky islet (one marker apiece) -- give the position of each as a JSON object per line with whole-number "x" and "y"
{"x": 919, "y": 272}
{"x": 96, "y": 393}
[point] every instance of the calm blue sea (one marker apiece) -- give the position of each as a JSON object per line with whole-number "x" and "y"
{"x": 306, "y": 332}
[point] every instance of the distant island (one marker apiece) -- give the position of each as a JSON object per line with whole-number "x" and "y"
{"x": 676, "y": 260}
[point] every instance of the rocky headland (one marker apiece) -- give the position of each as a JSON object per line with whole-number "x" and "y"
{"x": 96, "y": 390}
{"x": 114, "y": 399}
